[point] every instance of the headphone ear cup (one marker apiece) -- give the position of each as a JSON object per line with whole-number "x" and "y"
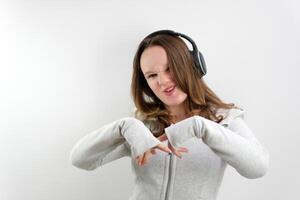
{"x": 198, "y": 60}
{"x": 202, "y": 64}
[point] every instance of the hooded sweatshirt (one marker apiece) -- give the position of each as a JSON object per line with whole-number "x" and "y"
{"x": 198, "y": 175}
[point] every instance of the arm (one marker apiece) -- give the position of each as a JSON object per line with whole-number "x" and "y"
{"x": 236, "y": 144}
{"x": 112, "y": 142}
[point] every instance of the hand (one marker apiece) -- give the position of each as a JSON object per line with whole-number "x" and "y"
{"x": 176, "y": 151}
{"x": 143, "y": 159}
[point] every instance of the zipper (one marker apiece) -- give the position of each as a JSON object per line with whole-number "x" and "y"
{"x": 169, "y": 177}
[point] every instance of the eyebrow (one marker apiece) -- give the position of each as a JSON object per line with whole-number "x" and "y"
{"x": 148, "y": 73}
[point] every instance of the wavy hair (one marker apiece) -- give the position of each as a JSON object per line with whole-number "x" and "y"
{"x": 201, "y": 100}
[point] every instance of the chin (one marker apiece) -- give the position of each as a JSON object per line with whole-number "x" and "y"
{"x": 174, "y": 103}
{"x": 170, "y": 104}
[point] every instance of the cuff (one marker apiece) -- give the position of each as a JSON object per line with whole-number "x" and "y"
{"x": 138, "y": 136}
{"x": 182, "y": 131}
{"x": 143, "y": 145}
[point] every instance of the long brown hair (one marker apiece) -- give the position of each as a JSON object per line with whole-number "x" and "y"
{"x": 201, "y": 100}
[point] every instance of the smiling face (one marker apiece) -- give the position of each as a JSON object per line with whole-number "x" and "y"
{"x": 154, "y": 65}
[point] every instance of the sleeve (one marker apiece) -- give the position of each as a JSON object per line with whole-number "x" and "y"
{"x": 235, "y": 144}
{"x": 123, "y": 137}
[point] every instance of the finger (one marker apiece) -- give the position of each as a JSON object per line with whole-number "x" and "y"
{"x": 183, "y": 149}
{"x": 163, "y": 148}
{"x": 177, "y": 150}
{"x": 174, "y": 150}
{"x": 142, "y": 159}
{"x": 163, "y": 137}
{"x": 137, "y": 159}
{"x": 147, "y": 157}
{"x": 177, "y": 153}
{"x": 171, "y": 147}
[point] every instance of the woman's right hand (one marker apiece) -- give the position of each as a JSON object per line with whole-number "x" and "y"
{"x": 143, "y": 159}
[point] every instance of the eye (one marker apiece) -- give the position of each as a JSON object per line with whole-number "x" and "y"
{"x": 168, "y": 69}
{"x": 151, "y": 75}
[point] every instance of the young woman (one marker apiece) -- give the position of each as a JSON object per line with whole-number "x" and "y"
{"x": 176, "y": 113}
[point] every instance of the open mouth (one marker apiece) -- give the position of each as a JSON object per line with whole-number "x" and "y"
{"x": 170, "y": 90}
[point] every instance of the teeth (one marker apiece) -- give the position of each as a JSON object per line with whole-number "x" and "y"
{"x": 170, "y": 89}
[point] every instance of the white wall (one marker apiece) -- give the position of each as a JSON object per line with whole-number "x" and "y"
{"x": 66, "y": 69}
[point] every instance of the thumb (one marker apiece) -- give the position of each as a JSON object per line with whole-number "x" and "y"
{"x": 163, "y": 137}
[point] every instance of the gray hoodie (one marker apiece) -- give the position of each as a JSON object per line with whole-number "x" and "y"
{"x": 198, "y": 175}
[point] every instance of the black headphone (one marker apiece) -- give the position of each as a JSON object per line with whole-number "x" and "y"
{"x": 197, "y": 55}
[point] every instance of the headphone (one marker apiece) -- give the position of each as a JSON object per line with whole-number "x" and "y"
{"x": 196, "y": 54}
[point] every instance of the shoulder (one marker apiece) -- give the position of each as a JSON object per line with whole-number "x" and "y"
{"x": 230, "y": 114}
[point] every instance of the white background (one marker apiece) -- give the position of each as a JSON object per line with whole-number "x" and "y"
{"x": 66, "y": 69}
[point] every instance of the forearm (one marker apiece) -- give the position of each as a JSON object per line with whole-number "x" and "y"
{"x": 236, "y": 144}
{"x": 89, "y": 151}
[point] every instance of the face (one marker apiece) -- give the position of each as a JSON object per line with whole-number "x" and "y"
{"x": 157, "y": 73}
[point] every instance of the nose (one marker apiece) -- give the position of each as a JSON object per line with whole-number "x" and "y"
{"x": 164, "y": 79}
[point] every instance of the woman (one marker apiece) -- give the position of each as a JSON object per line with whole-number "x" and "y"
{"x": 175, "y": 108}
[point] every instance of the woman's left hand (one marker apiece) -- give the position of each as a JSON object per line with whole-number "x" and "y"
{"x": 174, "y": 150}
{"x": 142, "y": 160}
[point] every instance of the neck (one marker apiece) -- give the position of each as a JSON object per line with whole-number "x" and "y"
{"x": 178, "y": 113}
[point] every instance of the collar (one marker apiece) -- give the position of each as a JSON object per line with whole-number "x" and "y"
{"x": 230, "y": 114}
